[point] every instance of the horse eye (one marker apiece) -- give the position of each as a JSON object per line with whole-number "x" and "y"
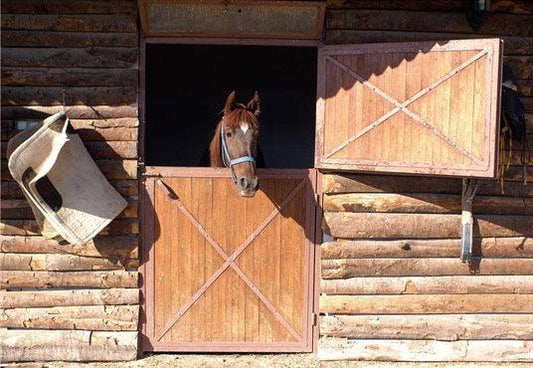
{"x": 229, "y": 134}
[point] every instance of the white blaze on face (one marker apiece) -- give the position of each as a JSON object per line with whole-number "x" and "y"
{"x": 244, "y": 127}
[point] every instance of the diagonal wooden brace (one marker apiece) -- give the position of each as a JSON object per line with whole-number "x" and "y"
{"x": 403, "y": 106}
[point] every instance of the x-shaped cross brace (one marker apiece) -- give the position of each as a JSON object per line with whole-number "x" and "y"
{"x": 403, "y": 106}
{"x": 229, "y": 261}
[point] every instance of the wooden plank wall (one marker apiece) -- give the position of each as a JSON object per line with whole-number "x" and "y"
{"x": 87, "y": 295}
{"x": 393, "y": 287}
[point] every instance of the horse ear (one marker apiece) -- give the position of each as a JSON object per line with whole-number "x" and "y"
{"x": 255, "y": 104}
{"x": 230, "y": 103}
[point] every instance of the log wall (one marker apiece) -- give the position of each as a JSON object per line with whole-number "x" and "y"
{"x": 392, "y": 284}
{"x": 64, "y": 302}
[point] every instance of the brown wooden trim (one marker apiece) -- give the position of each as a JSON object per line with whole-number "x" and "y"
{"x": 232, "y": 41}
{"x": 315, "y": 35}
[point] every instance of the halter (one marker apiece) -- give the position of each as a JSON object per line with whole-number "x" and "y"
{"x": 226, "y": 159}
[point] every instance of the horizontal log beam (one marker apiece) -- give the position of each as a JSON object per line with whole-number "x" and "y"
{"x": 425, "y": 350}
{"x": 517, "y": 247}
{"x": 513, "y": 45}
{"x": 67, "y": 39}
{"x": 425, "y": 203}
{"x": 345, "y": 268}
{"x": 368, "y": 183}
{"x": 99, "y": 318}
{"x": 120, "y": 129}
{"x": 66, "y": 279}
{"x": 110, "y": 247}
{"x": 126, "y": 188}
{"x": 496, "y": 6}
{"x": 417, "y": 226}
{"x": 453, "y": 22}
{"x": 20, "y": 96}
{"x": 14, "y": 209}
{"x": 69, "y": 77}
{"x": 73, "y": 112}
{"x": 62, "y": 7}
{"x": 121, "y": 227}
{"x": 449, "y": 327}
{"x": 112, "y": 169}
{"x": 59, "y": 262}
{"x": 426, "y": 304}
{"x": 78, "y": 297}
{"x": 81, "y": 346}
{"x": 70, "y": 23}
{"x": 92, "y": 57}
{"x": 509, "y": 284}
{"x": 102, "y": 149}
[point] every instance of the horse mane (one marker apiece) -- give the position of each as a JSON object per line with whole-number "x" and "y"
{"x": 233, "y": 121}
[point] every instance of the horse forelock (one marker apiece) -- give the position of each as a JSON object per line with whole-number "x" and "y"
{"x": 241, "y": 115}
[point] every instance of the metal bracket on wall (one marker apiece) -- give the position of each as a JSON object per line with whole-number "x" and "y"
{"x": 467, "y": 219}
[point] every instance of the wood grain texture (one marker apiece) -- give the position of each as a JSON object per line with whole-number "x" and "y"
{"x": 425, "y": 203}
{"x": 426, "y": 304}
{"x": 345, "y": 268}
{"x": 74, "y": 112}
{"x": 120, "y": 227}
{"x": 71, "y": 22}
{"x": 417, "y": 226}
{"x": 68, "y": 279}
{"x": 514, "y": 45}
{"x": 77, "y": 297}
{"x": 508, "y": 284}
{"x": 449, "y": 327}
{"x": 22, "y": 38}
{"x": 117, "y": 247}
{"x": 99, "y": 318}
{"x": 58, "y": 262}
{"x": 361, "y": 183}
{"x": 419, "y": 21}
{"x": 45, "y": 345}
{"x": 515, "y": 247}
{"x": 43, "y": 96}
{"x": 425, "y": 350}
{"x": 93, "y": 57}
{"x": 69, "y": 77}
{"x": 61, "y": 7}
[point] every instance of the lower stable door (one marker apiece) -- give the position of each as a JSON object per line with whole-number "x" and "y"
{"x": 224, "y": 272}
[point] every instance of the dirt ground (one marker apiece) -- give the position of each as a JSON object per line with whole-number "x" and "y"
{"x": 259, "y": 360}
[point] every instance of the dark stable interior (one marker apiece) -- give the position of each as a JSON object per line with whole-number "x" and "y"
{"x": 187, "y": 86}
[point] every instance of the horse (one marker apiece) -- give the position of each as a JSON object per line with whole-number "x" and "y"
{"x": 234, "y": 144}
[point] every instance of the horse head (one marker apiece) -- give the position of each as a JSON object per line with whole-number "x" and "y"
{"x": 234, "y": 144}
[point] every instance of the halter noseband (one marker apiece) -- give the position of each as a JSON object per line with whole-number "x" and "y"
{"x": 226, "y": 159}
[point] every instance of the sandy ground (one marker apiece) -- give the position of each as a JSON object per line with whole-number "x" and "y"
{"x": 262, "y": 360}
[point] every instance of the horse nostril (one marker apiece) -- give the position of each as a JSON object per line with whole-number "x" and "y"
{"x": 243, "y": 183}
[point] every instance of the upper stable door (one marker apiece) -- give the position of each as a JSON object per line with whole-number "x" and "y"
{"x": 415, "y": 108}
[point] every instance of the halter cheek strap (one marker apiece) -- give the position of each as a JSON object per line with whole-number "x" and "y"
{"x": 226, "y": 158}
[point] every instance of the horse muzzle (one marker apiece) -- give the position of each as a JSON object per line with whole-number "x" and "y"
{"x": 247, "y": 185}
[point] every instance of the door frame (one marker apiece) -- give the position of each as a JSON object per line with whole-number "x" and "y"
{"x": 146, "y": 172}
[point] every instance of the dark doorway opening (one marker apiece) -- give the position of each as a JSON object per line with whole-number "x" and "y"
{"x": 187, "y": 85}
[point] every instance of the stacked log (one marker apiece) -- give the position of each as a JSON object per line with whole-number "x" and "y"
{"x": 59, "y": 301}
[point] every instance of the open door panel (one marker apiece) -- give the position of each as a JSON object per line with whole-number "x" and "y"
{"x": 415, "y": 108}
